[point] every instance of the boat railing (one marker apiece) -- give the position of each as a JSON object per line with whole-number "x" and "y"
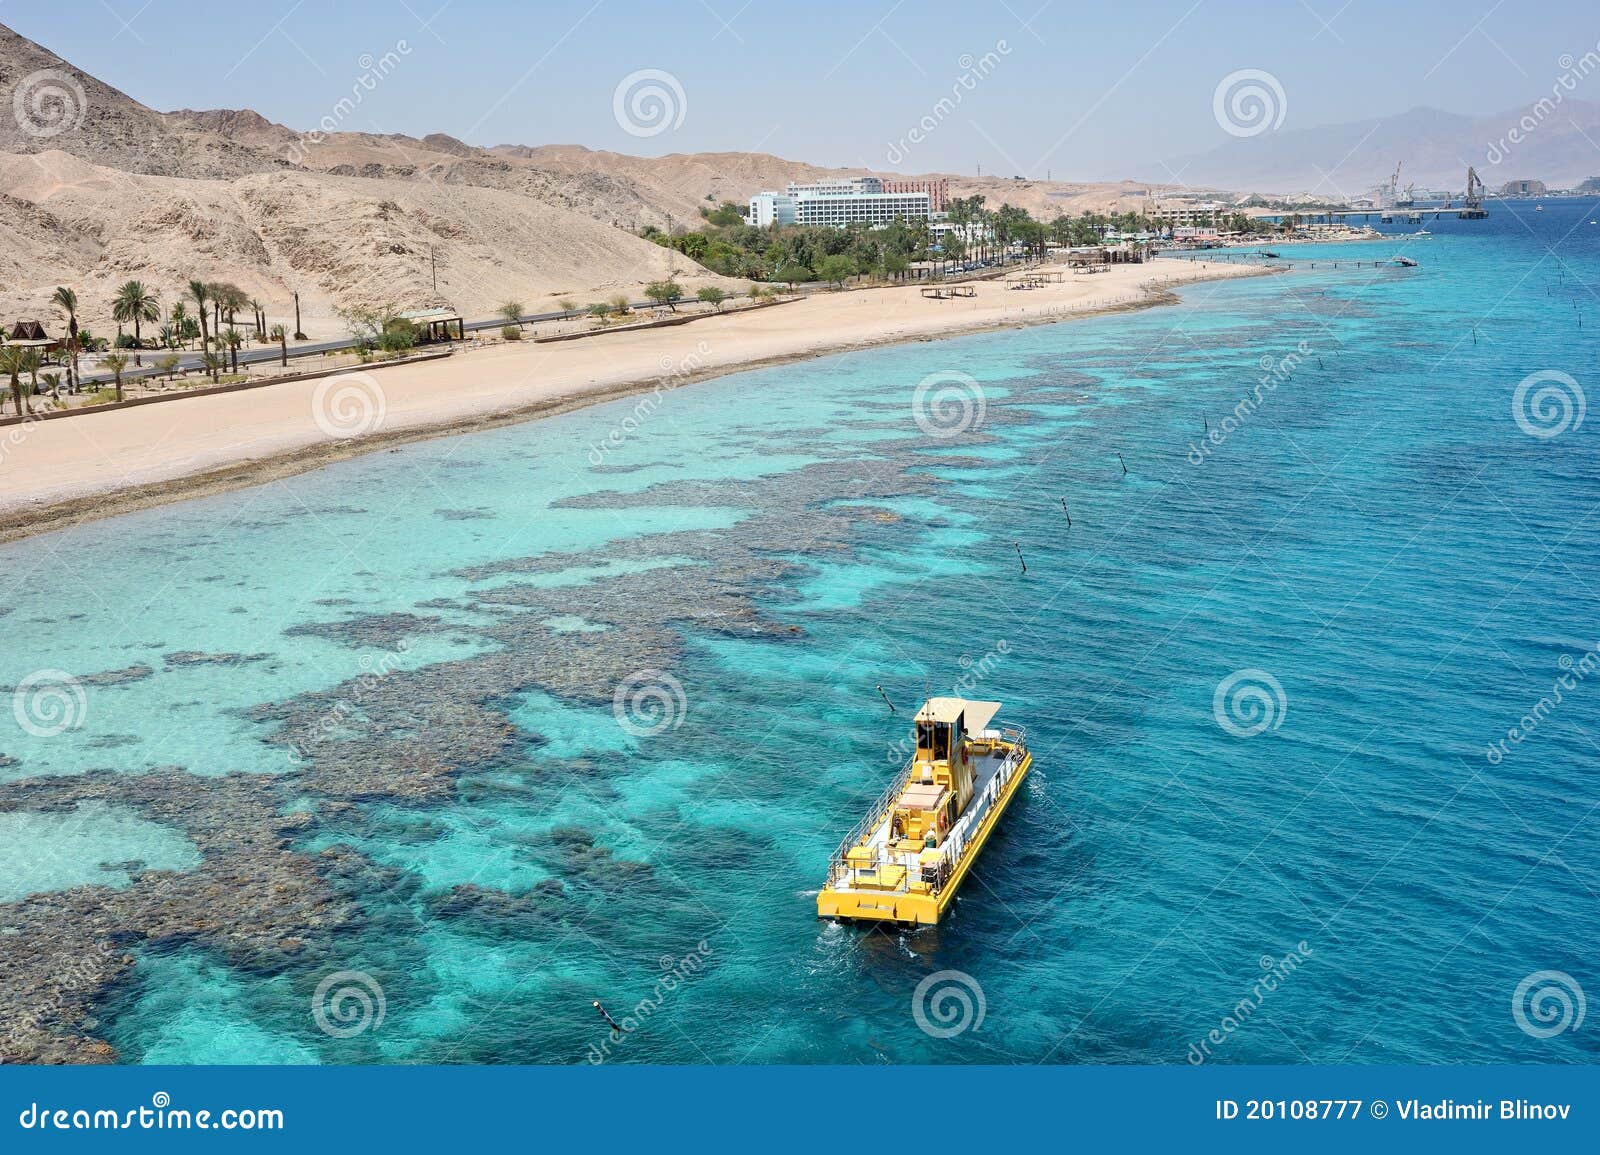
{"x": 954, "y": 849}
{"x": 875, "y": 815}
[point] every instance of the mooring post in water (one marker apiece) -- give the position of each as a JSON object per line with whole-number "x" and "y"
{"x": 1066, "y": 511}
{"x": 1018, "y": 545}
{"x": 886, "y": 701}
{"x": 616, "y": 1028}
{"x": 1124, "y": 465}
{"x": 1319, "y": 362}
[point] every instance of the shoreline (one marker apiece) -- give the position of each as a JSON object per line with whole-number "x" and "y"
{"x": 21, "y": 518}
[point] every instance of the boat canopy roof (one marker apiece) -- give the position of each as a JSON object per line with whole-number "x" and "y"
{"x": 948, "y": 710}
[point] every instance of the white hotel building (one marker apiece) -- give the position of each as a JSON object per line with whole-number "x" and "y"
{"x": 838, "y": 203}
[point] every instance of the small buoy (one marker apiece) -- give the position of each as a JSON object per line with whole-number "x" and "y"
{"x": 1066, "y": 511}
{"x": 1018, "y": 546}
{"x": 886, "y": 701}
{"x": 1124, "y": 465}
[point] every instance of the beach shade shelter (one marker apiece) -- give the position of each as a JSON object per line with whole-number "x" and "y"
{"x": 436, "y": 324}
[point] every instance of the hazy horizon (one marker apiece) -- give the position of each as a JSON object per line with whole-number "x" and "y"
{"x": 1038, "y": 91}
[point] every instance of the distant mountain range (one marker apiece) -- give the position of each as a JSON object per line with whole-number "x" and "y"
{"x": 1433, "y": 148}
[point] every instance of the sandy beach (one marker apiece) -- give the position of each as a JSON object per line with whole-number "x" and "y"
{"x": 97, "y": 465}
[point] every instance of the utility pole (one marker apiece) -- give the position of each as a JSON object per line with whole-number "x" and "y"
{"x": 435, "y": 266}
{"x": 298, "y": 335}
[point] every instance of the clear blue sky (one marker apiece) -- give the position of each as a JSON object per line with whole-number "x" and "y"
{"x": 1090, "y": 91}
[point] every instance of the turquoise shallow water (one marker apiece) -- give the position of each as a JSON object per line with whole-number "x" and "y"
{"x": 1379, "y": 549}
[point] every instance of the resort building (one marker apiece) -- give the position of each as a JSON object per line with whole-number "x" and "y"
{"x": 838, "y": 203}
{"x": 1190, "y": 214}
{"x": 937, "y": 190}
{"x": 771, "y": 208}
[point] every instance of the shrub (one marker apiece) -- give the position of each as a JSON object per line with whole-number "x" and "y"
{"x": 511, "y": 332}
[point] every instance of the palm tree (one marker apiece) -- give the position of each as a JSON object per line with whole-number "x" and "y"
{"x": 116, "y": 362}
{"x": 232, "y": 338}
{"x": 214, "y": 363}
{"x": 200, "y": 294}
{"x": 261, "y": 319}
{"x": 32, "y": 362}
{"x": 52, "y": 382}
{"x": 281, "y": 335}
{"x": 67, "y": 301}
{"x": 176, "y": 317}
{"x": 135, "y": 303}
{"x": 13, "y": 364}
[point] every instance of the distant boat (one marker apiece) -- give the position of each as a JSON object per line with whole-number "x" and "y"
{"x": 1538, "y": 208}
{"x": 1405, "y": 262}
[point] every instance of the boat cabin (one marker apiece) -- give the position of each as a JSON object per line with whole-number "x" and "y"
{"x": 941, "y": 782}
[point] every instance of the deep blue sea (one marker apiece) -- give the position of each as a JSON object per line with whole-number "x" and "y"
{"x": 343, "y": 771}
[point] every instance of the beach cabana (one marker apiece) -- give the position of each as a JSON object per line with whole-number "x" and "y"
{"x": 436, "y": 324}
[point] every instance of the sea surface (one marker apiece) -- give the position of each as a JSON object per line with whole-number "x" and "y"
{"x": 416, "y": 757}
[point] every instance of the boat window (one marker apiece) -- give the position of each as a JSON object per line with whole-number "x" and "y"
{"x": 925, "y": 740}
{"x": 941, "y": 741}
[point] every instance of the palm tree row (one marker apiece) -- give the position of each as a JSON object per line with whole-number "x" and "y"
{"x": 215, "y": 307}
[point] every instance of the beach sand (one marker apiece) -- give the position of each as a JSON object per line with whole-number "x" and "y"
{"x": 58, "y": 473}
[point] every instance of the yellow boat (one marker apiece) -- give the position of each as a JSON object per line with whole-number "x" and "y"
{"x": 906, "y": 859}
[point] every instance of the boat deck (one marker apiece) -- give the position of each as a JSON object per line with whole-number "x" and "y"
{"x": 896, "y": 869}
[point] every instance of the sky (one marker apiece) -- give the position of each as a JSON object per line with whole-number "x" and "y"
{"x": 1036, "y": 88}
